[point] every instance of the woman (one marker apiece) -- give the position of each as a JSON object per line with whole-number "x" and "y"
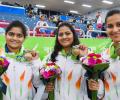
{"x": 22, "y": 75}
{"x": 70, "y": 85}
{"x": 112, "y": 76}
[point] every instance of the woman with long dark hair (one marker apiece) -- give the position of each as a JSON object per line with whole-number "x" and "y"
{"x": 67, "y": 51}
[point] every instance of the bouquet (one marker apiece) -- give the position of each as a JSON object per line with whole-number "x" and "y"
{"x": 3, "y": 67}
{"x": 48, "y": 74}
{"x": 94, "y": 64}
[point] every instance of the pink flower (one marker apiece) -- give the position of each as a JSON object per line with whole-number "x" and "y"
{"x": 91, "y": 61}
{"x": 46, "y": 75}
{"x": 51, "y": 73}
{"x": 50, "y": 64}
{"x": 50, "y": 70}
{"x": 6, "y": 63}
{"x": 98, "y": 61}
{"x": 1, "y": 63}
{"x": 98, "y": 55}
{"x": 91, "y": 54}
{"x": 58, "y": 71}
{"x": 42, "y": 71}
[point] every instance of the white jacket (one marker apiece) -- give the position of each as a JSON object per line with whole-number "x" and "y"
{"x": 112, "y": 75}
{"x": 20, "y": 78}
{"x": 72, "y": 83}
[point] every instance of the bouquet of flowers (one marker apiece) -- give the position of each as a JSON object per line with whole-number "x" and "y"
{"x": 3, "y": 67}
{"x": 48, "y": 74}
{"x": 94, "y": 64}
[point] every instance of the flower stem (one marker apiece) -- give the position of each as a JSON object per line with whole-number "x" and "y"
{"x": 1, "y": 96}
{"x": 51, "y": 95}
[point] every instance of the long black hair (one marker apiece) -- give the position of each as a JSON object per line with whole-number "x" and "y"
{"x": 58, "y": 47}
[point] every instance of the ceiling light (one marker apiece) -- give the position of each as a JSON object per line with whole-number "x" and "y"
{"x": 73, "y": 11}
{"x": 40, "y": 6}
{"x": 107, "y": 2}
{"x": 85, "y": 5}
{"x": 71, "y": 2}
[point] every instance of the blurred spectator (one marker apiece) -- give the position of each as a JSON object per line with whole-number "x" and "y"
{"x": 99, "y": 21}
{"x": 6, "y": 3}
{"x": 17, "y": 4}
{"x": 29, "y": 10}
{"x": 81, "y": 21}
{"x": 50, "y": 18}
{"x": 55, "y": 19}
{"x": 35, "y": 10}
{"x": 40, "y": 25}
{"x": 30, "y": 13}
{"x": 79, "y": 32}
{"x": 90, "y": 32}
{"x": 104, "y": 29}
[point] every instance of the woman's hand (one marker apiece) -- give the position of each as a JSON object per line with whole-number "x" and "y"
{"x": 28, "y": 56}
{"x": 80, "y": 50}
{"x": 35, "y": 55}
{"x": 31, "y": 55}
{"x": 99, "y": 86}
{"x": 83, "y": 50}
{"x": 49, "y": 87}
{"x": 93, "y": 85}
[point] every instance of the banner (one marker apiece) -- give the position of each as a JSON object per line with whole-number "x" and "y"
{"x": 44, "y": 45}
{"x": 12, "y": 10}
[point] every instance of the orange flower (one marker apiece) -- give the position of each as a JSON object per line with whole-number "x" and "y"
{"x": 30, "y": 84}
{"x": 6, "y": 78}
{"x": 78, "y": 83}
{"x": 22, "y": 76}
{"x": 70, "y": 76}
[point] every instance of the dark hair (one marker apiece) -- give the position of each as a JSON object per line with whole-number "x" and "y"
{"x": 88, "y": 25}
{"x": 59, "y": 21}
{"x": 59, "y": 47}
{"x": 17, "y": 24}
{"x": 42, "y": 16}
{"x": 111, "y": 13}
